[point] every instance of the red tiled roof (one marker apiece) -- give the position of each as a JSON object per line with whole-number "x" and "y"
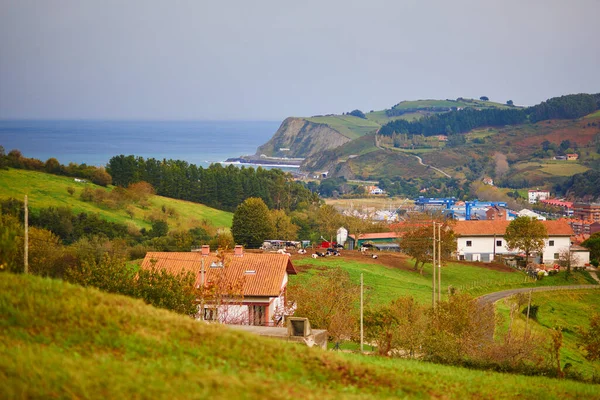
{"x": 267, "y": 280}
{"x": 498, "y": 227}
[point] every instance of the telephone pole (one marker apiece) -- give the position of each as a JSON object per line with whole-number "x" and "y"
{"x": 361, "y": 313}
{"x": 26, "y": 248}
{"x": 433, "y": 269}
{"x": 439, "y": 262}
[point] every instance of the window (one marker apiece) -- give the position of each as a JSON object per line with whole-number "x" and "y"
{"x": 210, "y": 314}
{"x": 551, "y": 243}
{"x": 469, "y": 243}
{"x": 499, "y": 243}
{"x": 257, "y": 315}
{"x": 556, "y": 256}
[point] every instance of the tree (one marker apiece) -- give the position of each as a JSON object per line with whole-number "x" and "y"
{"x": 526, "y": 234}
{"x": 568, "y": 259}
{"x": 509, "y": 103}
{"x": 484, "y": 98}
{"x": 357, "y": 113}
{"x": 399, "y": 325}
{"x": 590, "y": 338}
{"x": 3, "y": 160}
{"x": 593, "y": 245}
{"x": 329, "y": 300}
{"x": 416, "y": 239}
{"x": 252, "y": 224}
{"x": 283, "y": 228}
{"x": 101, "y": 177}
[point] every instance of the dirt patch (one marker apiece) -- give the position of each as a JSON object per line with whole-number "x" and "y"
{"x": 390, "y": 260}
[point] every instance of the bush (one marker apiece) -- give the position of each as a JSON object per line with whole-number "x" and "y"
{"x": 533, "y": 310}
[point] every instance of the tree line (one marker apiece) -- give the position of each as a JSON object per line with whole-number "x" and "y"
{"x": 220, "y": 187}
{"x": 461, "y": 121}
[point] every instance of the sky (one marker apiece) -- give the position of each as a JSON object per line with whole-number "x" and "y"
{"x": 267, "y": 60}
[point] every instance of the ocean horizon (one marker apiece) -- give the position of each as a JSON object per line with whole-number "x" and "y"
{"x": 95, "y": 142}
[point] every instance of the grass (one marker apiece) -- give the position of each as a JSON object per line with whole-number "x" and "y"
{"x": 385, "y": 283}
{"x": 568, "y": 310}
{"x": 348, "y": 125}
{"x": 65, "y": 341}
{"x": 46, "y": 190}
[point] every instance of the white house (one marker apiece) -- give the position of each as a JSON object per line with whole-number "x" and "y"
{"x": 251, "y": 286}
{"x": 482, "y": 240}
{"x": 537, "y": 195}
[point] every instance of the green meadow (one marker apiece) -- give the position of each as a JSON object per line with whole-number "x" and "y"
{"x": 46, "y": 190}
{"x": 385, "y": 283}
{"x": 64, "y": 341}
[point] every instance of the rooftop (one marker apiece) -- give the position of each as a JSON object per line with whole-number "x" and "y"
{"x": 265, "y": 279}
{"x": 498, "y": 227}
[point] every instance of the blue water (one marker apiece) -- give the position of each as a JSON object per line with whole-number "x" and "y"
{"x": 95, "y": 142}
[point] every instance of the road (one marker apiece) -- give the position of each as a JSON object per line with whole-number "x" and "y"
{"x": 430, "y": 166}
{"x": 414, "y": 155}
{"x": 494, "y": 297}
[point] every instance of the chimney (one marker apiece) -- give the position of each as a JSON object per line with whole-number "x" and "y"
{"x": 205, "y": 250}
{"x": 239, "y": 251}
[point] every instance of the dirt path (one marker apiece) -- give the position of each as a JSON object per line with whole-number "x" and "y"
{"x": 494, "y": 297}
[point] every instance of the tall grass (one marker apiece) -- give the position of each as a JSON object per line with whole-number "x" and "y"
{"x": 64, "y": 341}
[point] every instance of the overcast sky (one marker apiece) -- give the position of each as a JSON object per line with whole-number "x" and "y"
{"x": 245, "y": 59}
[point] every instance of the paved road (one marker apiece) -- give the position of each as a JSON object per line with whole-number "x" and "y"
{"x": 494, "y": 297}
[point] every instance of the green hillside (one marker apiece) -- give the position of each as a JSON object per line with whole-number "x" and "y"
{"x": 391, "y": 276}
{"x": 353, "y": 127}
{"x": 65, "y": 341}
{"x": 569, "y": 310}
{"x": 45, "y": 190}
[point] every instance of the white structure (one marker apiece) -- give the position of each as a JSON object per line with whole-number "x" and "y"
{"x": 342, "y": 235}
{"x": 482, "y": 240}
{"x": 376, "y": 190}
{"x": 537, "y": 195}
{"x": 580, "y": 256}
{"x": 253, "y": 285}
{"x": 531, "y": 214}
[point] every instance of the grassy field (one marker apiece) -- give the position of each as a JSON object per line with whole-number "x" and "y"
{"x": 348, "y": 125}
{"x": 568, "y": 310}
{"x": 65, "y": 341}
{"x": 391, "y": 276}
{"x": 45, "y": 190}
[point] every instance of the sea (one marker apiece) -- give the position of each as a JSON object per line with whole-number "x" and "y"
{"x": 95, "y": 142}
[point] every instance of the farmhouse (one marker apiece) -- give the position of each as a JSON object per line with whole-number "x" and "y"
{"x": 483, "y": 240}
{"x": 572, "y": 157}
{"x": 250, "y": 287}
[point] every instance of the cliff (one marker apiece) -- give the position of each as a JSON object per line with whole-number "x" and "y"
{"x": 302, "y": 138}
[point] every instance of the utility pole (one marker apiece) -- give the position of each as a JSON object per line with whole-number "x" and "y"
{"x": 433, "y": 269}
{"x": 26, "y": 249}
{"x": 202, "y": 290}
{"x": 439, "y": 262}
{"x": 361, "y": 313}
{"x": 528, "y": 308}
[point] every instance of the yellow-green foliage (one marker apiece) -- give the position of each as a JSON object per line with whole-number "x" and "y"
{"x": 45, "y": 190}
{"x": 63, "y": 341}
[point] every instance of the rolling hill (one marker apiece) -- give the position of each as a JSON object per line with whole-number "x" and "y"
{"x": 61, "y": 340}
{"x": 46, "y": 190}
{"x": 305, "y": 137}
{"x": 516, "y": 149}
